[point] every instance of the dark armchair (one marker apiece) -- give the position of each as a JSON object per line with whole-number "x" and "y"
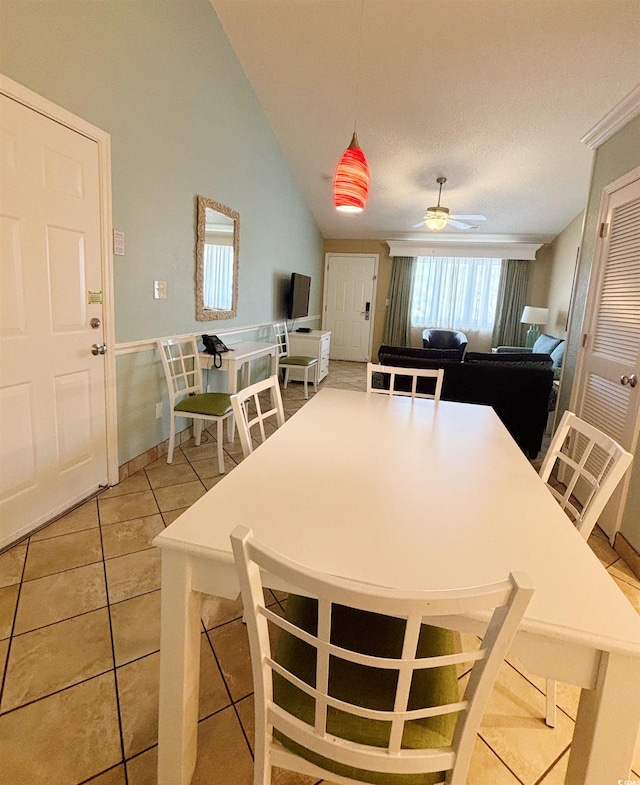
{"x": 451, "y": 340}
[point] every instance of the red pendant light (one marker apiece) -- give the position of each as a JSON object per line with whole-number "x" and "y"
{"x": 351, "y": 181}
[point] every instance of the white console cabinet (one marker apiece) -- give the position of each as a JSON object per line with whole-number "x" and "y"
{"x": 313, "y": 344}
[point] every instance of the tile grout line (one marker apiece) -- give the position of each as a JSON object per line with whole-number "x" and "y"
{"x": 506, "y": 765}
{"x": 226, "y": 686}
{"x": 113, "y": 656}
{"x": 13, "y": 623}
{"x": 540, "y": 779}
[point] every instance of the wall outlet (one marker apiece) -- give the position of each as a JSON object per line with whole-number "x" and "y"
{"x": 158, "y": 411}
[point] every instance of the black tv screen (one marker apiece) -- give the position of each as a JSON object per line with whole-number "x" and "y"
{"x": 298, "y": 304}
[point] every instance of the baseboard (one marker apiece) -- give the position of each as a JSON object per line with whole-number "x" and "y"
{"x": 628, "y": 553}
{"x": 152, "y": 454}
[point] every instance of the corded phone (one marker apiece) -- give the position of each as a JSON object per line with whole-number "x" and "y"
{"x": 213, "y": 345}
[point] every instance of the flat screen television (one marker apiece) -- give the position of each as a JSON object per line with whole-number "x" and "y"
{"x": 298, "y": 301}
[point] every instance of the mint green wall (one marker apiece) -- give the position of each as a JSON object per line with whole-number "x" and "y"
{"x": 617, "y": 156}
{"x": 161, "y": 78}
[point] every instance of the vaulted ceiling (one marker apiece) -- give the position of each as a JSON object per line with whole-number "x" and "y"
{"x": 495, "y": 95}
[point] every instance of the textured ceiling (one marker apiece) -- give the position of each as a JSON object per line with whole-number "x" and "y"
{"x": 493, "y": 94}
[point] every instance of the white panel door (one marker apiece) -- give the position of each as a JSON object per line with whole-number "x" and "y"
{"x": 349, "y": 299}
{"x": 53, "y": 436}
{"x": 608, "y": 393}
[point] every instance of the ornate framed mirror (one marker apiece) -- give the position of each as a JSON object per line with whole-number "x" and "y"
{"x": 217, "y": 261}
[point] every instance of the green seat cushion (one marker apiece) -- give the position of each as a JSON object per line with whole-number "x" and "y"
{"x": 382, "y": 636}
{"x": 298, "y": 360}
{"x": 212, "y": 404}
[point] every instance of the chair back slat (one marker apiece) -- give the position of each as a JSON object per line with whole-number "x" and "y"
{"x": 282, "y": 339}
{"x": 588, "y": 465}
{"x": 376, "y": 381}
{"x": 255, "y": 406}
{"x": 181, "y": 365}
{"x": 326, "y": 626}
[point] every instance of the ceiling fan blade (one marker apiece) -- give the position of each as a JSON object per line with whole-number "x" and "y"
{"x": 422, "y": 223}
{"x": 460, "y": 224}
{"x": 469, "y": 217}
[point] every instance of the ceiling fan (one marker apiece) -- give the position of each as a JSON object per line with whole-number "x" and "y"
{"x": 438, "y": 217}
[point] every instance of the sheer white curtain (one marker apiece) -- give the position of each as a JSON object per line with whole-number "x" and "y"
{"x": 218, "y": 277}
{"x": 455, "y": 293}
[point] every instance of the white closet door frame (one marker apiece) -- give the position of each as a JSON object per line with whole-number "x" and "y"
{"x": 588, "y": 329}
{"x": 102, "y": 139}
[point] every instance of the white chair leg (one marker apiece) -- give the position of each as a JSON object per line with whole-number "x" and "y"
{"x": 550, "y": 719}
{"x": 306, "y": 382}
{"x": 172, "y": 437}
{"x": 315, "y": 377}
{"x": 197, "y": 430}
{"x": 286, "y": 378}
{"x": 220, "y": 437}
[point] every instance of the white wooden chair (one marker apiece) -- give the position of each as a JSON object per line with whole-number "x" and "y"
{"x": 287, "y": 361}
{"x": 410, "y": 374}
{"x": 364, "y": 678}
{"x": 249, "y": 412}
{"x": 589, "y": 464}
{"x": 181, "y": 365}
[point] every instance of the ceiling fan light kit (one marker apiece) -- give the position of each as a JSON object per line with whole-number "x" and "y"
{"x": 437, "y": 217}
{"x": 351, "y": 180}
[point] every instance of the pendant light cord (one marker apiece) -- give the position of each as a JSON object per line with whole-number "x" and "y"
{"x": 359, "y": 68}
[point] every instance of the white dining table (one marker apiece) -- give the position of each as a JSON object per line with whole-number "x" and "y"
{"x": 409, "y": 494}
{"x": 239, "y": 358}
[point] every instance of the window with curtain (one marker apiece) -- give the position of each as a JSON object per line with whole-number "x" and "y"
{"x": 455, "y": 293}
{"x": 218, "y": 277}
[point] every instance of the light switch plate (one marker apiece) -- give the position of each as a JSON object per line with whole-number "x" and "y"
{"x": 160, "y": 290}
{"x": 118, "y": 242}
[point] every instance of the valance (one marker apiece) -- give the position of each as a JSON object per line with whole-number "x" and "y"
{"x": 463, "y": 248}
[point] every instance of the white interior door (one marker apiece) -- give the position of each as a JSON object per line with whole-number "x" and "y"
{"x": 607, "y": 393}
{"x": 349, "y": 301}
{"x": 53, "y": 431}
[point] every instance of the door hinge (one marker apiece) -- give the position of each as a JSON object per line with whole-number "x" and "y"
{"x": 604, "y": 229}
{"x": 584, "y": 340}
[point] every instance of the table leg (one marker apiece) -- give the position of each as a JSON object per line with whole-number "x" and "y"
{"x": 232, "y": 381}
{"x": 179, "y": 671}
{"x": 607, "y": 724}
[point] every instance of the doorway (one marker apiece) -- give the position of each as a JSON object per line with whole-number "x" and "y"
{"x": 349, "y": 304}
{"x": 607, "y": 390}
{"x": 57, "y": 377}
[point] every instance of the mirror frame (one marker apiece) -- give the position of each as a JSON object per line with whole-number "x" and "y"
{"x": 203, "y": 314}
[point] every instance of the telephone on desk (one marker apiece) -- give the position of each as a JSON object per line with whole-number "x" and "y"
{"x": 213, "y": 345}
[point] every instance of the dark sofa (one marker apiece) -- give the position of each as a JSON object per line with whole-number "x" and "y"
{"x": 517, "y": 388}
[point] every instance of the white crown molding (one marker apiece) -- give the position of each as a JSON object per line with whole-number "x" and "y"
{"x": 479, "y": 249}
{"x": 614, "y": 120}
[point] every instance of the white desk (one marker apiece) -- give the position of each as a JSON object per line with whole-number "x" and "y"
{"x": 416, "y": 495}
{"x": 239, "y": 358}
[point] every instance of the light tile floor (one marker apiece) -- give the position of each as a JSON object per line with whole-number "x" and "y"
{"x": 79, "y": 640}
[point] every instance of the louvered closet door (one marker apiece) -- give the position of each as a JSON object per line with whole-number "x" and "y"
{"x": 606, "y": 397}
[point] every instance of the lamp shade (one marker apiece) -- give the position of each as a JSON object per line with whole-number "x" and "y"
{"x": 351, "y": 181}
{"x": 534, "y": 315}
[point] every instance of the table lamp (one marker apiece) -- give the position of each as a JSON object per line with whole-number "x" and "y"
{"x": 534, "y": 316}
